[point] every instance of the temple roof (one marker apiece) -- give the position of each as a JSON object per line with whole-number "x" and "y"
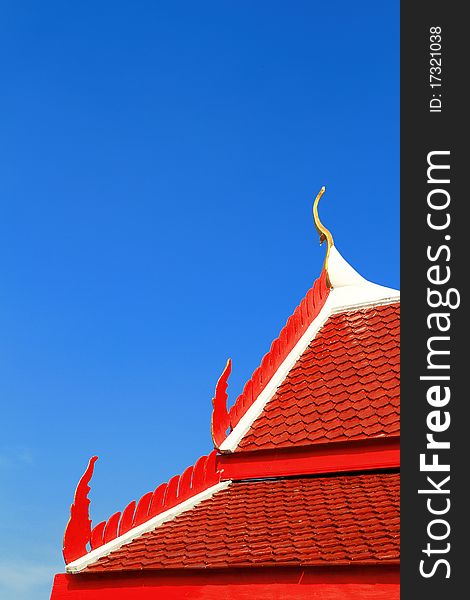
{"x": 279, "y": 488}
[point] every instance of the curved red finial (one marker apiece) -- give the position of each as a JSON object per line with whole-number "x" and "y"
{"x": 78, "y": 531}
{"x": 220, "y": 421}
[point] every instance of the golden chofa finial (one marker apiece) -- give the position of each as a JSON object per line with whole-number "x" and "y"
{"x": 323, "y": 232}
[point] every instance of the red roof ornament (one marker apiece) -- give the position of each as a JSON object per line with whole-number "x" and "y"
{"x": 78, "y": 534}
{"x": 78, "y": 530}
{"x": 220, "y": 421}
{"x": 195, "y": 479}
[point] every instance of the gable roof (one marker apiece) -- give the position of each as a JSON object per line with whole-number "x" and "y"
{"x": 349, "y": 292}
{"x": 305, "y": 521}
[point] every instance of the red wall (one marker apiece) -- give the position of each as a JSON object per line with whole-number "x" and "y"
{"x": 330, "y": 583}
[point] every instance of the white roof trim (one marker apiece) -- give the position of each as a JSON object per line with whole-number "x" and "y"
{"x": 233, "y": 439}
{"x": 362, "y": 305}
{"x": 81, "y": 563}
{"x": 350, "y": 292}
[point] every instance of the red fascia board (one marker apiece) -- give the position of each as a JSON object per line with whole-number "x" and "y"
{"x": 380, "y": 582}
{"x": 340, "y": 457}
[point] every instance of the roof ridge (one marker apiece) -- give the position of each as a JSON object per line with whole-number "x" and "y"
{"x": 365, "y": 305}
{"x": 195, "y": 479}
{"x": 296, "y": 325}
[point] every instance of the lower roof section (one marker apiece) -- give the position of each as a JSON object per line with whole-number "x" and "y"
{"x": 308, "y": 521}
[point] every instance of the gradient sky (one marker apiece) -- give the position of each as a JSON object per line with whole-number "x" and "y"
{"x": 158, "y": 162}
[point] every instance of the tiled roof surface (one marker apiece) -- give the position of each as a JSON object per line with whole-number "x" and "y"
{"x": 345, "y": 386}
{"x": 307, "y": 521}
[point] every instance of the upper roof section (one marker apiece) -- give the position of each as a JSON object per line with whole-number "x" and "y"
{"x": 339, "y": 289}
{"x": 345, "y": 386}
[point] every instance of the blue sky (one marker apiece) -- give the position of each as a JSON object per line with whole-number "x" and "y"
{"x": 158, "y": 162}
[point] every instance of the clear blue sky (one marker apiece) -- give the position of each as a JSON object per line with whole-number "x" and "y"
{"x": 158, "y": 162}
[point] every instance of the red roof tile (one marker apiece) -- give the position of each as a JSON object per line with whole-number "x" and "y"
{"x": 307, "y": 521}
{"x": 344, "y": 386}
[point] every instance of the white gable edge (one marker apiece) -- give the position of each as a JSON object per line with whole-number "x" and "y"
{"x": 341, "y": 299}
{"x": 81, "y": 563}
{"x": 244, "y": 424}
